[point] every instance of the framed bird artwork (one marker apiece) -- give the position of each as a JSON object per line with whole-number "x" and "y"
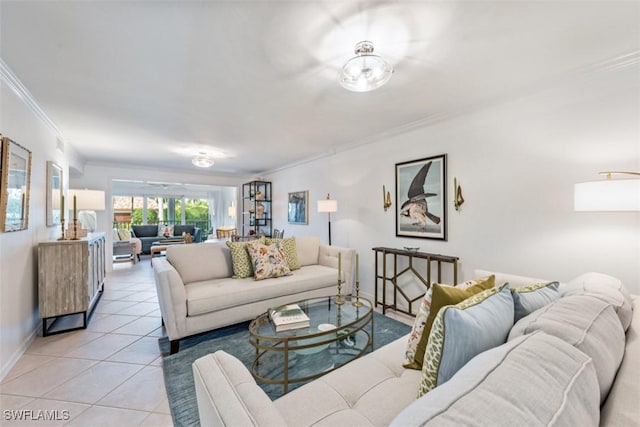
{"x": 421, "y": 198}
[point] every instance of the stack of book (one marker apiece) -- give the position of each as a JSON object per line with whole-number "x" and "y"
{"x": 288, "y": 317}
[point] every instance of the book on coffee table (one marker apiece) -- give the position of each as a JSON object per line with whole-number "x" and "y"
{"x": 288, "y": 317}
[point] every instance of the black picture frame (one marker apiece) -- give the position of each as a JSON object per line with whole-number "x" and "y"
{"x": 421, "y": 198}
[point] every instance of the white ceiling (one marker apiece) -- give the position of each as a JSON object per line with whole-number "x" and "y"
{"x": 153, "y": 83}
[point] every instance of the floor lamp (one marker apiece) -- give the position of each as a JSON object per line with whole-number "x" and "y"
{"x": 328, "y": 205}
{"x": 608, "y": 195}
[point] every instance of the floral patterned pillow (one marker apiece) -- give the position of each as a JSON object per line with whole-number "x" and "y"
{"x": 267, "y": 261}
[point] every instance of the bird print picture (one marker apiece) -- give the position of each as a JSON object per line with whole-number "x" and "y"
{"x": 421, "y": 198}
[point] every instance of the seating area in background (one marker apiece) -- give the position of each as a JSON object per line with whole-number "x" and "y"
{"x": 223, "y": 232}
{"x": 148, "y": 234}
{"x": 126, "y": 247}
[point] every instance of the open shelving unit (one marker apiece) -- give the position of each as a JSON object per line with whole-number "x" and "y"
{"x": 256, "y": 208}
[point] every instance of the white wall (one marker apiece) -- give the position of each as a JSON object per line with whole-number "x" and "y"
{"x": 19, "y": 317}
{"x": 517, "y": 163}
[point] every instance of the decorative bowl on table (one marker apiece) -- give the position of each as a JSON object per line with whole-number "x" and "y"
{"x": 411, "y": 249}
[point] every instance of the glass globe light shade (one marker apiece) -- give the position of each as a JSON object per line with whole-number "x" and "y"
{"x": 366, "y": 71}
{"x": 202, "y": 161}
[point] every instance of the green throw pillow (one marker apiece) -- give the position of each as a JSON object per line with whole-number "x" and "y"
{"x": 445, "y": 295}
{"x": 242, "y": 267}
{"x": 290, "y": 251}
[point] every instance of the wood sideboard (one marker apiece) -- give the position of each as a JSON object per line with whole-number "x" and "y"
{"x": 70, "y": 279}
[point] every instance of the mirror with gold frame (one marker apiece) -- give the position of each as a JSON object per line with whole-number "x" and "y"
{"x": 54, "y": 193}
{"x": 15, "y": 180}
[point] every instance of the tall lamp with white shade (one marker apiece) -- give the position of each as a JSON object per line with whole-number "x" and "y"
{"x": 86, "y": 203}
{"x": 328, "y": 205}
{"x": 608, "y": 195}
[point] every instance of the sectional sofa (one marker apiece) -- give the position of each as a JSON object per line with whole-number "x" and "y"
{"x": 197, "y": 291}
{"x": 568, "y": 363}
{"x": 149, "y": 234}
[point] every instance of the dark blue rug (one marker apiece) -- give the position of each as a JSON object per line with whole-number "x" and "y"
{"x": 234, "y": 339}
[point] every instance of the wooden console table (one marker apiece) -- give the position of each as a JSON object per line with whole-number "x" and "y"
{"x": 426, "y": 281}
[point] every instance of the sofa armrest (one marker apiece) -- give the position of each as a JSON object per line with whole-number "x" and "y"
{"x": 172, "y": 297}
{"x": 228, "y": 395}
{"x": 328, "y": 256}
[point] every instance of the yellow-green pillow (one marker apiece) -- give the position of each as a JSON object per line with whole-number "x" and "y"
{"x": 242, "y": 267}
{"x": 290, "y": 251}
{"x": 445, "y": 295}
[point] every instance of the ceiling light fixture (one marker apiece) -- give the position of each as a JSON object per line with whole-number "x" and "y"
{"x": 365, "y": 71}
{"x": 202, "y": 160}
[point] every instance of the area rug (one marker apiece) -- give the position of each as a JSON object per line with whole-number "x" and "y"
{"x": 234, "y": 339}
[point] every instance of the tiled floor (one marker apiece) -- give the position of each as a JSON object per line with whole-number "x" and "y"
{"x": 107, "y": 375}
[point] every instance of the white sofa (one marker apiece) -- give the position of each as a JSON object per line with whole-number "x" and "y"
{"x": 549, "y": 372}
{"x": 196, "y": 292}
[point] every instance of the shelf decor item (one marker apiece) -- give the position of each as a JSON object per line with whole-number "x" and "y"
{"x": 15, "y": 181}
{"x": 421, "y": 202}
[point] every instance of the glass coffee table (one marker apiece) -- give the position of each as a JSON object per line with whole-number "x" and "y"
{"x": 337, "y": 335}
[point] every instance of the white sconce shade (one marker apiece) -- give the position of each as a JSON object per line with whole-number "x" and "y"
{"x": 607, "y": 196}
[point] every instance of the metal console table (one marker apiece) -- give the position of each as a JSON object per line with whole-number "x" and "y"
{"x": 426, "y": 281}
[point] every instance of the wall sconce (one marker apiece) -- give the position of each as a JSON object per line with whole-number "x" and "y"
{"x": 386, "y": 199}
{"x": 458, "y": 200}
{"x": 609, "y": 195}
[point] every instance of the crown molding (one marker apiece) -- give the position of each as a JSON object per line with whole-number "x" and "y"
{"x": 9, "y": 77}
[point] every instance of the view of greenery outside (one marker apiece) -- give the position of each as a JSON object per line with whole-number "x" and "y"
{"x": 197, "y": 211}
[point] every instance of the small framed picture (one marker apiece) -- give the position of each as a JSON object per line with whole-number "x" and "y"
{"x": 298, "y": 210}
{"x": 421, "y": 202}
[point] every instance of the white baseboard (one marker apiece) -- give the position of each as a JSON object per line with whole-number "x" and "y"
{"x": 20, "y": 351}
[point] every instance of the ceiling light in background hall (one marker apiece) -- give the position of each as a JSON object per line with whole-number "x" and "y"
{"x": 202, "y": 160}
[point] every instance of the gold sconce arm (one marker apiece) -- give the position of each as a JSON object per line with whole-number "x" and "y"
{"x": 386, "y": 199}
{"x": 458, "y": 200}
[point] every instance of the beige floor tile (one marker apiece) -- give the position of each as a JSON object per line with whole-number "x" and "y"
{"x": 9, "y": 402}
{"x": 157, "y": 362}
{"x": 103, "y": 347}
{"x": 154, "y": 313}
{"x": 140, "y": 309}
{"x": 109, "y": 322}
{"x": 157, "y": 420}
{"x": 128, "y": 395}
{"x": 141, "y": 326}
{"x": 113, "y": 307}
{"x": 114, "y": 294}
{"x": 59, "y": 345}
{"x": 144, "y": 351}
{"x": 101, "y": 416}
{"x": 46, "y": 377}
{"x": 160, "y": 332}
{"x": 46, "y": 412}
{"x": 27, "y": 362}
{"x": 94, "y": 383}
{"x": 140, "y": 296}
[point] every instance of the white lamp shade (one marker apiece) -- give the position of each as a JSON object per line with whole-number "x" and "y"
{"x": 327, "y": 205}
{"x": 607, "y": 196}
{"x": 88, "y": 200}
{"x": 231, "y": 211}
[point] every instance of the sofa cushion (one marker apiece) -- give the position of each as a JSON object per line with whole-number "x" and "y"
{"x": 228, "y": 395}
{"x": 199, "y": 262}
{"x": 242, "y": 265}
{"x": 606, "y": 288}
{"x": 528, "y": 299}
{"x": 462, "y": 331}
{"x": 369, "y": 391}
{"x": 213, "y": 295}
{"x": 165, "y": 230}
{"x": 290, "y": 251}
{"x": 181, "y": 228}
{"x": 589, "y": 324}
{"x": 444, "y": 295}
{"x": 421, "y": 319}
{"x": 308, "y": 249}
{"x": 536, "y": 379}
{"x": 621, "y": 407}
{"x": 145, "y": 230}
{"x": 267, "y": 260}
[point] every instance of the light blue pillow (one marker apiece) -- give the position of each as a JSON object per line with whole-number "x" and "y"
{"x": 462, "y": 331}
{"x": 528, "y": 299}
